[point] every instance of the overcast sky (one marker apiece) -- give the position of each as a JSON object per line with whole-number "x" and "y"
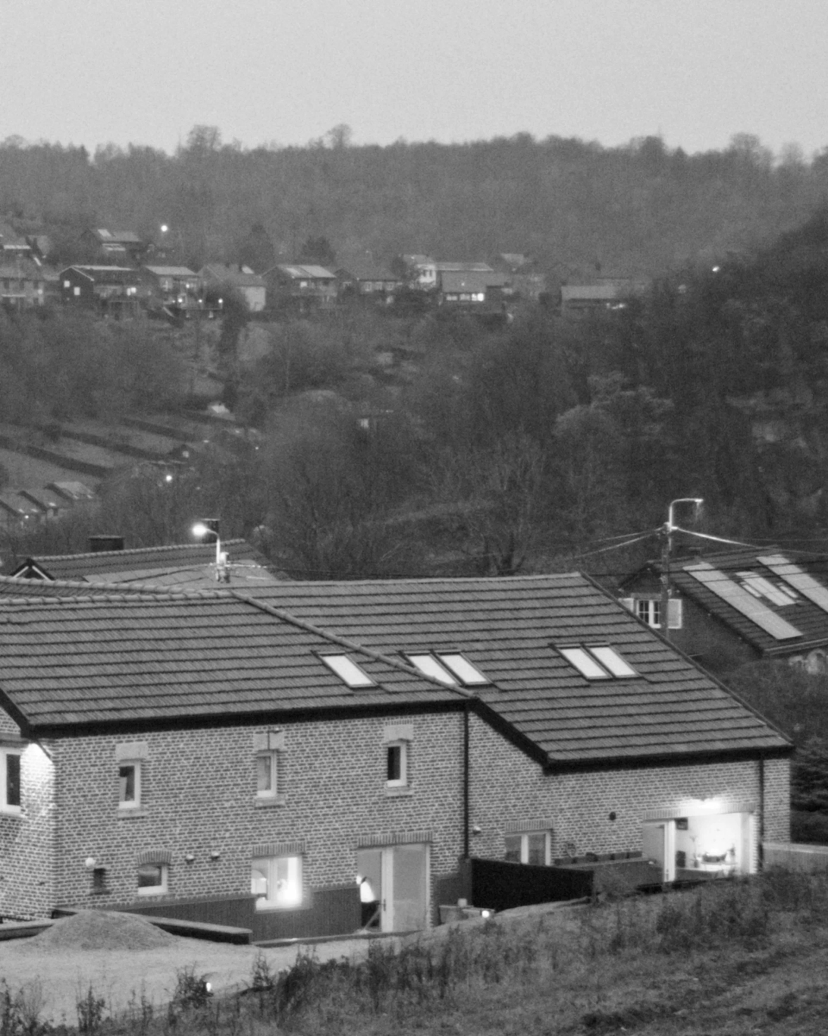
{"x": 145, "y": 71}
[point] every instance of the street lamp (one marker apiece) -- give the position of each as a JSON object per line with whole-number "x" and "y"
{"x": 210, "y": 527}
{"x": 666, "y": 549}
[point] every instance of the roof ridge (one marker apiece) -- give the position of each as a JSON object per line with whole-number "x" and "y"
{"x": 410, "y": 670}
{"x": 130, "y": 550}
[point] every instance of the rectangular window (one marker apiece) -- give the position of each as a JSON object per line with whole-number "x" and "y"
{"x": 348, "y": 671}
{"x": 396, "y": 764}
{"x": 152, "y": 879}
{"x": 10, "y": 801}
{"x": 267, "y": 775}
{"x": 276, "y": 881}
{"x": 649, "y": 611}
{"x": 462, "y": 668}
{"x": 531, "y": 847}
{"x": 598, "y": 662}
{"x": 129, "y": 785}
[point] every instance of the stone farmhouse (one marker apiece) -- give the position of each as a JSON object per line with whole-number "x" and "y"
{"x": 245, "y": 760}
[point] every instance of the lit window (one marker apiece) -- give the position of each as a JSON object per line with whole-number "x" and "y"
{"x": 152, "y": 879}
{"x": 129, "y": 785}
{"x": 648, "y": 609}
{"x": 531, "y": 847}
{"x": 396, "y": 764}
{"x": 267, "y": 775}
{"x": 10, "y": 780}
{"x": 347, "y": 671}
{"x": 430, "y": 666}
{"x": 598, "y": 663}
{"x": 462, "y": 668}
{"x": 276, "y": 881}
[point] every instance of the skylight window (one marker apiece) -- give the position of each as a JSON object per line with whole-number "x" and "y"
{"x": 429, "y": 665}
{"x": 462, "y": 668}
{"x": 347, "y": 671}
{"x": 598, "y": 663}
{"x": 761, "y": 587}
{"x": 449, "y": 667}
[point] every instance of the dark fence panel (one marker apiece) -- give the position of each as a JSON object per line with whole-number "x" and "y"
{"x": 235, "y": 911}
{"x": 501, "y": 885}
{"x": 331, "y": 911}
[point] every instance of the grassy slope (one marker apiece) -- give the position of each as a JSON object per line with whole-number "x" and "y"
{"x": 734, "y": 959}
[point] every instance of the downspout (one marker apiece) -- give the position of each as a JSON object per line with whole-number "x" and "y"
{"x": 761, "y": 846}
{"x": 466, "y": 780}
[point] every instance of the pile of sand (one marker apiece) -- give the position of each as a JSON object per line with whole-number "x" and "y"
{"x": 101, "y": 930}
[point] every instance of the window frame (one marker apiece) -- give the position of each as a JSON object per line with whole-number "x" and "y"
{"x": 523, "y": 837}
{"x": 137, "y": 800}
{"x": 9, "y": 752}
{"x": 268, "y": 867}
{"x": 399, "y": 748}
{"x": 272, "y": 792}
{"x": 464, "y": 671}
{"x": 348, "y": 671}
{"x": 582, "y": 657}
{"x": 160, "y": 889}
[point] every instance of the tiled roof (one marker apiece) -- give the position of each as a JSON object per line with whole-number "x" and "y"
{"x": 70, "y": 663}
{"x": 189, "y": 564}
{"x": 804, "y": 615}
{"x": 16, "y": 590}
{"x": 232, "y": 275}
{"x": 509, "y": 629}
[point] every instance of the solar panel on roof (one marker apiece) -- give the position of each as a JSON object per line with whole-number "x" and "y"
{"x": 799, "y": 580}
{"x": 739, "y": 598}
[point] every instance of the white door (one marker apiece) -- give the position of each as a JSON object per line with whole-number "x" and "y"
{"x": 659, "y": 845}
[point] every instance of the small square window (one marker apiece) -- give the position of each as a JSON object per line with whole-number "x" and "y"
{"x": 396, "y": 764}
{"x": 129, "y": 785}
{"x": 276, "y": 881}
{"x": 152, "y": 879}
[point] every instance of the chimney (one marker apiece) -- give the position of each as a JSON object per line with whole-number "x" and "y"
{"x": 99, "y": 544}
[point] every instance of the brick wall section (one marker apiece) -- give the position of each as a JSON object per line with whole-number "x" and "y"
{"x": 199, "y": 791}
{"x": 577, "y": 806}
{"x": 27, "y": 839}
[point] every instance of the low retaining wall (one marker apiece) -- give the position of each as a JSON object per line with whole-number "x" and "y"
{"x": 796, "y": 856}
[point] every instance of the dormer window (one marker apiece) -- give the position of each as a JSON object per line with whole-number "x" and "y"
{"x": 598, "y": 662}
{"x": 348, "y": 671}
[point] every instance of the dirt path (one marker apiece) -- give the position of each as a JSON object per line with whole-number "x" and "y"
{"x": 54, "y": 978}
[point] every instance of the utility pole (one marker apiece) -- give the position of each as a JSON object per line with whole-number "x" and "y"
{"x": 666, "y": 551}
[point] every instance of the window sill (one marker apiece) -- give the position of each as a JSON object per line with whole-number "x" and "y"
{"x": 270, "y": 802}
{"x": 401, "y": 792}
{"x": 131, "y": 814}
{"x": 12, "y": 814}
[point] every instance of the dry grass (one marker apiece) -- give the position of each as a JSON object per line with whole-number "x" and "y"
{"x": 730, "y": 958}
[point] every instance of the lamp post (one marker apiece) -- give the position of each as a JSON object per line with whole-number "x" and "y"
{"x": 666, "y": 550}
{"x": 210, "y": 527}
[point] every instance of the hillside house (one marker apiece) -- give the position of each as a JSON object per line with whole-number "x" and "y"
{"x": 117, "y": 291}
{"x": 223, "y": 755}
{"x": 174, "y": 287}
{"x": 249, "y": 285}
{"x": 22, "y": 282}
{"x": 740, "y": 606}
{"x": 523, "y": 276}
{"x": 600, "y": 293}
{"x": 113, "y": 247}
{"x": 304, "y": 287}
{"x": 366, "y": 280}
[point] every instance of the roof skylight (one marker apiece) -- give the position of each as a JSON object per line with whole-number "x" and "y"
{"x": 348, "y": 671}
{"x": 462, "y": 668}
{"x": 600, "y": 662}
{"x": 429, "y": 665}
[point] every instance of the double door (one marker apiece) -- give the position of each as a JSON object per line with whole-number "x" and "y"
{"x": 397, "y": 877}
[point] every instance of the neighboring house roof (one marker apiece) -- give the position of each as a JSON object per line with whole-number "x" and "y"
{"x": 451, "y": 282}
{"x": 16, "y": 506}
{"x": 244, "y": 278}
{"x": 311, "y": 272}
{"x": 452, "y": 267}
{"x": 116, "y": 237}
{"x": 782, "y": 613}
{"x": 171, "y": 271}
{"x": 70, "y": 663}
{"x": 189, "y": 565}
{"x": 74, "y": 491}
{"x": 511, "y": 629}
